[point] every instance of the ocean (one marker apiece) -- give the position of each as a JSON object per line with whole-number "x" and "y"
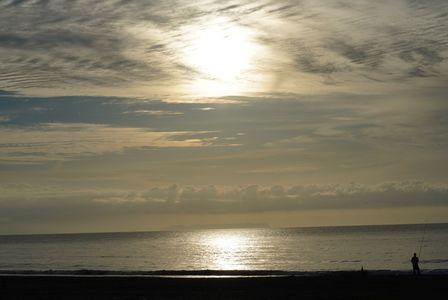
{"x": 385, "y": 247}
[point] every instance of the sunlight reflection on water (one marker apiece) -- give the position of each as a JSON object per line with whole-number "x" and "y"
{"x": 225, "y": 249}
{"x": 296, "y": 249}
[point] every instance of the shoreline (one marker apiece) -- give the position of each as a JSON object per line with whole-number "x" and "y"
{"x": 215, "y": 273}
{"x": 335, "y": 285}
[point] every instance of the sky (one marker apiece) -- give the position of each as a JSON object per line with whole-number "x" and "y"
{"x": 148, "y": 115}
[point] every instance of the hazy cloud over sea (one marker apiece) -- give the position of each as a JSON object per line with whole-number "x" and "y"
{"x": 51, "y": 204}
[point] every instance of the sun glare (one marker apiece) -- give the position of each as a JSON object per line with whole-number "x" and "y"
{"x": 226, "y": 248}
{"x": 221, "y": 53}
{"x": 226, "y": 243}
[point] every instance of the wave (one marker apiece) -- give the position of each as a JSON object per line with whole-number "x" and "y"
{"x": 436, "y": 261}
{"x": 212, "y": 273}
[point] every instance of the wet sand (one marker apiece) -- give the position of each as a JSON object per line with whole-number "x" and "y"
{"x": 324, "y": 286}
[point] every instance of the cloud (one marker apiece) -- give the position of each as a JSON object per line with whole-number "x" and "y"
{"x": 294, "y": 141}
{"x": 65, "y": 141}
{"x": 334, "y": 92}
{"x": 348, "y": 39}
{"x": 52, "y": 202}
{"x": 92, "y": 47}
{"x": 4, "y": 118}
{"x": 287, "y": 137}
{"x": 70, "y": 44}
{"x": 154, "y": 112}
{"x": 4, "y": 93}
{"x": 205, "y": 108}
{"x": 308, "y": 63}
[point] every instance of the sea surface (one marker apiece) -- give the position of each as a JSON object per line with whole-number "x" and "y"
{"x": 385, "y": 247}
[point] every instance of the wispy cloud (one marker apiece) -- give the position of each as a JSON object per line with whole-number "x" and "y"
{"x": 154, "y": 112}
{"x": 280, "y": 137}
{"x": 140, "y": 47}
{"x": 4, "y": 118}
{"x": 64, "y": 141}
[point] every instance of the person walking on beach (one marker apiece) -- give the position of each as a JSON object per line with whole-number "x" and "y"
{"x": 415, "y": 268}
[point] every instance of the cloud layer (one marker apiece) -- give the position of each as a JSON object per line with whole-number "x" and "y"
{"x": 269, "y": 139}
{"x": 64, "y": 141}
{"x": 139, "y": 47}
{"x": 258, "y": 198}
{"x": 52, "y": 202}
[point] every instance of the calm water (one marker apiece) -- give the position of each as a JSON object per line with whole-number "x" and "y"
{"x": 298, "y": 249}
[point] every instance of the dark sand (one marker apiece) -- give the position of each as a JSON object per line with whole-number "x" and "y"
{"x": 323, "y": 286}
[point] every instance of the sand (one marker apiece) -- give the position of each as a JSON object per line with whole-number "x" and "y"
{"x": 324, "y": 286}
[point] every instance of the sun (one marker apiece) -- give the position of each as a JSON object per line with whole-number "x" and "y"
{"x": 221, "y": 53}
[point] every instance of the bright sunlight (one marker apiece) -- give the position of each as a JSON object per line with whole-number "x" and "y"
{"x": 221, "y": 53}
{"x": 227, "y": 248}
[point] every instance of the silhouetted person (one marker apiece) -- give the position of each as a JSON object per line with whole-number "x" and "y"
{"x": 415, "y": 268}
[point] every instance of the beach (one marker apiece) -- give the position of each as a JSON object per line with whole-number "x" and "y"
{"x": 330, "y": 285}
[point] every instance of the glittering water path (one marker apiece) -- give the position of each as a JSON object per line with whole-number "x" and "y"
{"x": 298, "y": 249}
